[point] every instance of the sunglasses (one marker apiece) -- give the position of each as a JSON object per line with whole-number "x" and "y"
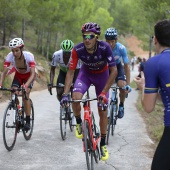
{"x": 89, "y": 36}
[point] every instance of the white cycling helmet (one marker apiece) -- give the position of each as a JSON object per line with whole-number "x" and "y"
{"x": 16, "y": 42}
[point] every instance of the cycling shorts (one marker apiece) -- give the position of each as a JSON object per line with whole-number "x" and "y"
{"x": 20, "y": 79}
{"x": 62, "y": 76}
{"x": 86, "y": 78}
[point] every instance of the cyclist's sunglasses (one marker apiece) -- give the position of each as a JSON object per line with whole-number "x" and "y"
{"x": 89, "y": 36}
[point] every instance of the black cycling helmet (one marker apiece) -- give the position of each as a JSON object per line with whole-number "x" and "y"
{"x": 91, "y": 27}
{"x": 111, "y": 34}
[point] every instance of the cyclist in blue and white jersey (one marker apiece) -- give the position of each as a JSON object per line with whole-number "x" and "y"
{"x": 62, "y": 58}
{"x": 123, "y": 77}
{"x": 154, "y": 82}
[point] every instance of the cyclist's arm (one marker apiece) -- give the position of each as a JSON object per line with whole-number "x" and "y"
{"x": 3, "y": 75}
{"x": 126, "y": 64}
{"x": 127, "y": 73}
{"x": 68, "y": 81}
{"x": 111, "y": 79}
{"x": 52, "y": 74}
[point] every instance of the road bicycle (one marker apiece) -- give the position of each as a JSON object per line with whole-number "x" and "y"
{"x": 112, "y": 113}
{"x": 91, "y": 133}
{"x": 14, "y": 119}
{"x": 66, "y": 116}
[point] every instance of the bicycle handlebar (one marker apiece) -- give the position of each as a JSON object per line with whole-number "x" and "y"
{"x": 116, "y": 87}
{"x": 14, "y": 90}
{"x": 56, "y": 86}
{"x": 82, "y": 100}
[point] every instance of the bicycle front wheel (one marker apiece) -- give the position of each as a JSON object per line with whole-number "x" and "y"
{"x": 109, "y": 123}
{"x": 63, "y": 123}
{"x": 28, "y": 134}
{"x": 96, "y": 135}
{"x": 9, "y": 127}
{"x": 114, "y": 119}
{"x": 88, "y": 147}
{"x": 70, "y": 117}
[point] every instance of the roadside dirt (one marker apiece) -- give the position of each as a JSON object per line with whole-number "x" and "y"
{"x": 134, "y": 44}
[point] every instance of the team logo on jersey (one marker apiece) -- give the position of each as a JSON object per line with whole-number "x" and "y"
{"x": 116, "y": 57}
{"x": 95, "y": 57}
{"x": 102, "y": 47}
{"x": 79, "y": 83}
{"x": 88, "y": 57}
{"x": 110, "y": 58}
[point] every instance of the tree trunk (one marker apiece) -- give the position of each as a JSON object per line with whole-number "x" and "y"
{"x": 23, "y": 29}
{"x": 4, "y": 32}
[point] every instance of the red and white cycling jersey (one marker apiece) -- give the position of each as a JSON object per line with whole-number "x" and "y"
{"x": 29, "y": 61}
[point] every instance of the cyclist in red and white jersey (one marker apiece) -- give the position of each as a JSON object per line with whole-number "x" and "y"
{"x": 62, "y": 58}
{"x": 97, "y": 61}
{"x": 23, "y": 64}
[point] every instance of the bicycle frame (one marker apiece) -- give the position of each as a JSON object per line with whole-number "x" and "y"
{"x": 88, "y": 118}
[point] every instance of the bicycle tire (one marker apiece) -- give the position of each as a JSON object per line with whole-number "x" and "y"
{"x": 114, "y": 118}
{"x": 96, "y": 135}
{"x": 63, "y": 123}
{"x": 70, "y": 119}
{"x": 28, "y": 134}
{"x": 88, "y": 147}
{"x": 109, "y": 123}
{"x": 9, "y": 127}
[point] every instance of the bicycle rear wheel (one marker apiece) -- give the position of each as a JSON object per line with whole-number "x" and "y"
{"x": 28, "y": 134}
{"x": 63, "y": 123}
{"x": 9, "y": 127}
{"x": 88, "y": 147}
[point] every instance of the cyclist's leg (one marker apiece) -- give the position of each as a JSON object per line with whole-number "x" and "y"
{"x": 81, "y": 85}
{"x": 60, "y": 80}
{"x": 99, "y": 85}
{"x": 27, "y": 103}
{"x": 15, "y": 84}
{"x": 121, "y": 82}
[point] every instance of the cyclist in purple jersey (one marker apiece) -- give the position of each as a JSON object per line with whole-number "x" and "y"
{"x": 123, "y": 77}
{"x": 154, "y": 82}
{"x": 97, "y": 61}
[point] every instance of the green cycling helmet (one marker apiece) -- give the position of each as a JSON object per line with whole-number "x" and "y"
{"x": 67, "y": 45}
